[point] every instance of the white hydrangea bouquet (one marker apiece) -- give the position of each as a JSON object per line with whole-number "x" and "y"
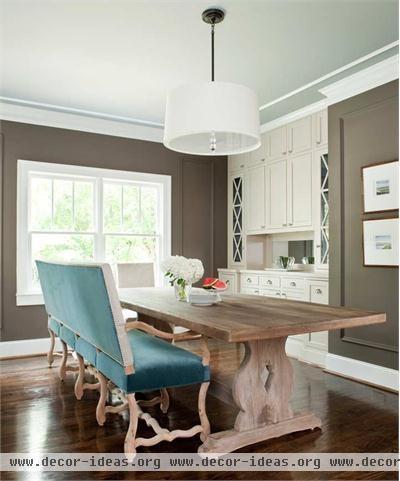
{"x": 182, "y": 273}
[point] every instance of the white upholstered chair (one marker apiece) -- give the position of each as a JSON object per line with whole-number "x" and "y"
{"x": 135, "y": 274}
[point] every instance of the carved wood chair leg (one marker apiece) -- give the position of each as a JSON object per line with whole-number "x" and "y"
{"x": 50, "y": 354}
{"x": 101, "y": 405}
{"x": 63, "y": 366}
{"x": 164, "y": 404}
{"x": 205, "y": 423}
{"x": 130, "y": 439}
{"x": 81, "y": 378}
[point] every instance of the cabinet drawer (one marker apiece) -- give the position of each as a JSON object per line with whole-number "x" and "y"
{"x": 270, "y": 292}
{"x": 294, "y": 295}
{"x": 293, "y": 283}
{"x": 319, "y": 293}
{"x": 229, "y": 280}
{"x": 248, "y": 280}
{"x": 249, "y": 290}
{"x": 269, "y": 282}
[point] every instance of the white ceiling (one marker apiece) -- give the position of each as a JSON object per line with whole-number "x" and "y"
{"x": 120, "y": 57}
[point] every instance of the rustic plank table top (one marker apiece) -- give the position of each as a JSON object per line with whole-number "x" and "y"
{"x": 240, "y": 318}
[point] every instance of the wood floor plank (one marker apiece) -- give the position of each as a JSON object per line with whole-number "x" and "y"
{"x": 40, "y": 413}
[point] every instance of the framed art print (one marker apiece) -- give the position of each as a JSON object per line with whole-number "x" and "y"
{"x": 381, "y": 187}
{"x": 381, "y": 242}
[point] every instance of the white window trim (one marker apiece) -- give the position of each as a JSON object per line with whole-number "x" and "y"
{"x": 26, "y": 167}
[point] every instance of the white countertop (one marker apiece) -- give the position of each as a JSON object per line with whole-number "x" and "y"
{"x": 321, "y": 274}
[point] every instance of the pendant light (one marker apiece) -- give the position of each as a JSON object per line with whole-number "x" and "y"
{"x": 212, "y": 118}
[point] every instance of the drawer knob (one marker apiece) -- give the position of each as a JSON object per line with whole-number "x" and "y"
{"x": 269, "y": 281}
{"x": 277, "y": 294}
{"x": 318, "y": 291}
{"x": 248, "y": 279}
{"x": 227, "y": 282}
{"x": 256, "y": 291}
{"x": 293, "y": 284}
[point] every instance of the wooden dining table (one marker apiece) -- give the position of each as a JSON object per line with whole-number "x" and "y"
{"x": 263, "y": 383}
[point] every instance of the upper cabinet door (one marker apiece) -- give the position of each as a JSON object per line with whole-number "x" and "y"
{"x": 237, "y": 163}
{"x": 320, "y": 121}
{"x": 276, "y": 198}
{"x": 257, "y": 157}
{"x": 300, "y": 190}
{"x": 276, "y": 144}
{"x": 299, "y": 136}
{"x": 255, "y": 199}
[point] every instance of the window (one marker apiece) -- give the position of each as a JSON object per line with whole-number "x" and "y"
{"x": 70, "y": 213}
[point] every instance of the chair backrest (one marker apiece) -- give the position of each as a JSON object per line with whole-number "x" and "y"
{"x": 139, "y": 274}
{"x": 84, "y": 298}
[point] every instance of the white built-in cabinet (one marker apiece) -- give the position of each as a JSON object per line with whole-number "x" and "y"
{"x": 299, "y": 203}
{"x": 279, "y": 195}
{"x": 281, "y": 184}
{"x": 280, "y": 180}
{"x": 255, "y": 181}
{"x": 299, "y": 135}
{"x": 306, "y": 287}
{"x": 276, "y": 194}
{"x": 276, "y": 143}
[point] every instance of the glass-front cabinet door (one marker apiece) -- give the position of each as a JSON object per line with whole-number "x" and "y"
{"x": 236, "y": 227}
{"x": 322, "y": 233}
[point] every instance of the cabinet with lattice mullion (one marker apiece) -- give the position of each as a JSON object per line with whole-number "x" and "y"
{"x": 322, "y": 244}
{"x": 236, "y": 224}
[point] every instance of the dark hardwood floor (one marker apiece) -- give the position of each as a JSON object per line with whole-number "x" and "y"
{"x": 40, "y": 413}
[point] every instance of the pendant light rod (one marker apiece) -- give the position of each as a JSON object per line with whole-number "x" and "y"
{"x": 213, "y": 16}
{"x": 212, "y": 52}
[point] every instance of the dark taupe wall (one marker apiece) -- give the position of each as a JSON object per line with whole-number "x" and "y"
{"x": 362, "y": 130}
{"x": 198, "y": 200}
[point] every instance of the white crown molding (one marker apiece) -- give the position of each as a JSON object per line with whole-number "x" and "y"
{"x": 73, "y": 120}
{"x": 363, "y": 371}
{"x": 295, "y": 115}
{"x": 366, "y": 79}
{"x": 29, "y": 112}
{"x": 329, "y": 75}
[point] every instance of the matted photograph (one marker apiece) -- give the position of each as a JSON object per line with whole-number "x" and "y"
{"x": 381, "y": 187}
{"x": 381, "y": 240}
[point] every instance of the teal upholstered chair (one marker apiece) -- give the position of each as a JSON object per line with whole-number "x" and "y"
{"x": 84, "y": 311}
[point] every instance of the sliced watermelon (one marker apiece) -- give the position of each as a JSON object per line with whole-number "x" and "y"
{"x": 209, "y": 282}
{"x": 220, "y": 286}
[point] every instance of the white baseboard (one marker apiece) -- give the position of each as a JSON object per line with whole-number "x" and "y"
{"x": 363, "y": 371}
{"x": 27, "y": 347}
{"x": 297, "y": 349}
{"x": 343, "y": 366}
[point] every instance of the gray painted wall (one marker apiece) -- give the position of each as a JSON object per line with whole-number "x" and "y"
{"x": 362, "y": 130}
{"x": 199, "y": 197}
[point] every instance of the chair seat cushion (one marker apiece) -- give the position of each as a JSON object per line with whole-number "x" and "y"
{"x": 158, "y": 364}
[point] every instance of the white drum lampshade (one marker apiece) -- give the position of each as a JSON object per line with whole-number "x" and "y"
{"x": 212, "y": 118}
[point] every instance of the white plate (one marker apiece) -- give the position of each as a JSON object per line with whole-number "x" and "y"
{"x": 202, "y": 304}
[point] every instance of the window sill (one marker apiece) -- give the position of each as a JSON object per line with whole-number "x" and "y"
{"x": 30, "y": 299}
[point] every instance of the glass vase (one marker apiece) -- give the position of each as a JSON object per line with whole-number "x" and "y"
{"x": 182, "y": 291}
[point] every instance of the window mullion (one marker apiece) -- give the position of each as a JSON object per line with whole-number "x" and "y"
{"x": 99, "y": 238}
{"x": 52, "y": 204}
{"x": 73, "y": 205}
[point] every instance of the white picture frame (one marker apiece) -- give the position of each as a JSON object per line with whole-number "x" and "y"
{"x": 381, "y": 242}
{"x": 381, "y": 187}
